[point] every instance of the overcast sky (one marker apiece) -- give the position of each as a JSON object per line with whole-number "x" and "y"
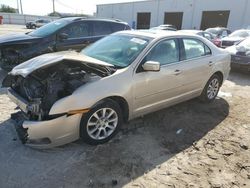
{"x": 43, "y": 7}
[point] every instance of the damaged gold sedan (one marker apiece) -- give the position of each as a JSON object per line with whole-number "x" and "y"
{"x": 65, "y": 96}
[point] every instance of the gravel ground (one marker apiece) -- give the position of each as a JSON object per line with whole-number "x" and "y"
{"x": 6, "y": 29}
{"x": 189, "y": 145}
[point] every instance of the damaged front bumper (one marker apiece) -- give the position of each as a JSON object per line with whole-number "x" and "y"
{"x": 45, "y": 133}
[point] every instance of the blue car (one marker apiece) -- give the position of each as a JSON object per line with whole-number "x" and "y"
{"x": 73, "y": 33}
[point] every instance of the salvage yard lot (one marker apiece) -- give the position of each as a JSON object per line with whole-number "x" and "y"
{"x": 189, "y": 145}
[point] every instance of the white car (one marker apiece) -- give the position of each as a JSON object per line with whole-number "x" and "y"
{"x": 65, "y": 96}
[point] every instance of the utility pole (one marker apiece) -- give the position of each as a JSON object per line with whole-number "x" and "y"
{"x": 17, "y": 5}
{"x": 21, "y": 6}
{"x": 53, "y": 1}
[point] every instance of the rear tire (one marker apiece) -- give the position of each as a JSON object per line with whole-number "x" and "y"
{"x": 101, "y": 123}
{"x": 211, "y": 89}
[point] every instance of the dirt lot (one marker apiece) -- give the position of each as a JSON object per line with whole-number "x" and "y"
{"x": 188, "y": 145}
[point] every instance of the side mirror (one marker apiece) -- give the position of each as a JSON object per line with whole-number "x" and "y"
{"x": 151, "y": 66}
{"x": 63, "y": 36}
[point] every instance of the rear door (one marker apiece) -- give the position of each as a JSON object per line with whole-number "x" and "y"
{"x": 101, "y": 29}
{"x": 79, "y": 36}
{"x": 119, "y": 27}
{"x": 196, "y": 65}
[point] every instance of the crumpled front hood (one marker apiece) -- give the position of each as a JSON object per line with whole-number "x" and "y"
{"x": 31, "y": 65}
{"x": 16, "y": 38}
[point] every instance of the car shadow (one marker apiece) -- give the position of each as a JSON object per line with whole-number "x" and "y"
{"x": 140, "y": 147}
{"x": 239, "y": 78}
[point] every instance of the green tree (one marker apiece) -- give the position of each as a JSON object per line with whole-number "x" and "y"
{"x": 57, "y": 14}
{"x": 6, "y": 8}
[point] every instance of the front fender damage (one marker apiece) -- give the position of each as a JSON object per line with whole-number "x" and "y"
{"x": 37, "y": 92}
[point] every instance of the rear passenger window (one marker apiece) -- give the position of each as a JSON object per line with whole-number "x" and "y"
{"x": 101, "y": 28}
{"x": 195, "y": 48}
{"x": 118, "y": 27}
{"x": 207, "y": 50}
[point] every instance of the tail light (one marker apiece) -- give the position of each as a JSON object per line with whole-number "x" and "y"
{"x": 217, "y": 42}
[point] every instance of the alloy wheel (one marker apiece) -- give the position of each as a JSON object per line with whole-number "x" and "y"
{"x": 213, "y": 88}
{"x": 102, "y": 123}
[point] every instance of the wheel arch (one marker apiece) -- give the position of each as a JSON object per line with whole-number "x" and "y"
{"x": 122, "y": 102}
{"x": 220, "y": 74}
{"x": 123, "y": 105}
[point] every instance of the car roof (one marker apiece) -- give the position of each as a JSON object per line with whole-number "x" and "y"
{"x": 218, "y": 28}
{"x": 72, "y": 19}
{"x": 191, "y": 31}
{"x": 156, "y": 33}
{"x": 166, "y": 25}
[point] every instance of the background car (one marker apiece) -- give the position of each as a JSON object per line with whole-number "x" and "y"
{"x": 201, "y": 33}
{"x": 63, "y": 34}
{"x": 68, "y": 95}
{"x": 219, "y": 33}
{"x": 235, "y": 37}
{"x": 240, "y": 56}
{"x": 36, "y": 23}
{"x": 166, "y": 27}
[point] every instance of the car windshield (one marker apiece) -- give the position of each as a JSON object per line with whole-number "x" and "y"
{"x": 48, "y": 28}
{"x": 119, "y": 50}
{"x": 240, "y": 33}
{"x": 245, "y": 43}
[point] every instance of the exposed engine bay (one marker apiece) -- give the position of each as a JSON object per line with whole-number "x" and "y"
{"x": 43, "y": 87}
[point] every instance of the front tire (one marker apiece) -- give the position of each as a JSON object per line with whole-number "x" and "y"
{"x": 101, "y": 123}
{"x": 211, "y": 89}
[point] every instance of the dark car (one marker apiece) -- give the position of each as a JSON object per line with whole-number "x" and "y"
{"x": 37, "y": 23}
{"x": 240, "y": 56}
{"x": 204, "y": 34}
{"x": 235, "y": 37}
{"x": 219, "y": 33}
{"x": 63, "y": 34}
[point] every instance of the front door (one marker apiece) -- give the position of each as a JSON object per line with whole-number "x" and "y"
{"x": 153, "y": 90}
{"x": 78, "y": 37}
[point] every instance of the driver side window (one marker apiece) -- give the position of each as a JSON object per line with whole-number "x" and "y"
{"x": 165, "y": 52}
{"x": 77, "y": 30}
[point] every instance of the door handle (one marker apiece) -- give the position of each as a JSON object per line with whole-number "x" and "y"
{"x": 210, "y": 63}
{"x": 177, "y": 72}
